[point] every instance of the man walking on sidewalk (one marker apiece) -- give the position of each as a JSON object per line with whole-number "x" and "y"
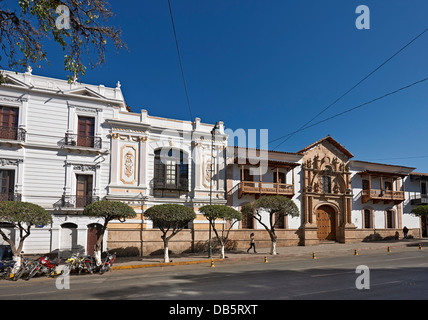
{"x": 252, "y": 243}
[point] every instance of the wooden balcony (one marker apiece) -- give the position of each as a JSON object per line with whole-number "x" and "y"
{"x": 387, "y": 196}
{"x": 265, "y": 188}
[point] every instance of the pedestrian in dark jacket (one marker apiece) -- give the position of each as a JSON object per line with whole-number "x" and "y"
{"x": 405, "y": 231}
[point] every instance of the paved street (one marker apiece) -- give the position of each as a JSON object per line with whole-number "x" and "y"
{"x": 401, "y": 274}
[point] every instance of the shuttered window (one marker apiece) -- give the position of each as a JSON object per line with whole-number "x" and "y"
{"x": 7, "y": 185}
{"x": 9, "y": 123}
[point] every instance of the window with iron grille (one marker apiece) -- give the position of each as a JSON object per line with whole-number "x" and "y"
{"x": 170, "y": 170}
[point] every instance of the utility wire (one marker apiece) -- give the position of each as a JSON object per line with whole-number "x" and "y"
{"x": 179, "y": 59}
{"x": 356, "y": 107}
{"x": 288, "y": 136}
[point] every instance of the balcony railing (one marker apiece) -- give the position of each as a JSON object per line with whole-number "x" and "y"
{"x": 10, "y": 197}
{"x": 421, "y": 199}
{"x": 161, "y": 184}
{"x": 13, "y": 133}
{"x": 76, "y": 140}
{"x": 377, "y": 195}
{"x": 265, "y": 188}
{"x": 77, "y": 202}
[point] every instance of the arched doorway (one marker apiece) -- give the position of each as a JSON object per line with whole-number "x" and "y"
{"x": 326, "y": 222}
{"x": 68, "y": 237}
{"x": 94, "y": 231}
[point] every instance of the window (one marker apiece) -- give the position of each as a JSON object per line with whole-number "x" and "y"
{"x": 388, "y": 185}
{"x": 84, "y": 187}
{"x": 9, "y": 123}
{"x": 390, "y": 219}
{"x": 86, "y": 132}
{"x": 281, "y": 177}
{"x": 247, "y": 176}
{"x": 326, "y": 184}
{"x": 366, "y": 184}
{"x": 279, "y": 221}
{"x": 170, "y": 171}
{"x": 7, "y": 185}
{"x": 423, "y": 188}
{"x": 247, "y": 222}
{"x": 367, "y": 218}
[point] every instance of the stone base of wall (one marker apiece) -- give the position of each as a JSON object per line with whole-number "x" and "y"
{"x": 137, "y": 242}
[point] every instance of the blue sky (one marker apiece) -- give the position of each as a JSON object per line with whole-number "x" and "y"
{"x": 274, "y": 65}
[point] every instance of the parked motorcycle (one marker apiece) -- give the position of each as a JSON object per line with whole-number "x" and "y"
{"x": 90, "y": 264}
{"x": 26, "y": 266}
{"x": 6, "y": 268}
{"x": 108, "y": 262}
{"x": 45, "y": 266}
{"x": 75, "y": 262}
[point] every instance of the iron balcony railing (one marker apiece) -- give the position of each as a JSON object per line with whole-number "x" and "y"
{"x": 76, "y": 202}
{"x": 10, "y": 197}
{"x": 13, "y": 133}
{"x": 76, "y": 140}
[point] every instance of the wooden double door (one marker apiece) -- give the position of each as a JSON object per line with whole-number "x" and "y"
{"x": 326, "y": 222}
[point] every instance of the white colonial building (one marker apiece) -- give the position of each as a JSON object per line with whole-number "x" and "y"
{"x": 64, "y": 145}
{"x": 55, "y": 152}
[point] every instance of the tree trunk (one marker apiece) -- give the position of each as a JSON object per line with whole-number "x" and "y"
{"x": 99, "y": 244}
{"x": 222, "y": 251}
{"x": 97, "y": 251}
{"x": 273, "y": 248}
{"x": 17, "y": 259}
{"x": 273, "y": 238}
{"x": 165, "y": 253}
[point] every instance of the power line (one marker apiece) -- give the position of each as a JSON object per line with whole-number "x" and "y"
{"x": 179, "y": 59}
{"x": 402, "y": 158}
{"x": 355, "y": 86}
{"x": 353, "y": 108}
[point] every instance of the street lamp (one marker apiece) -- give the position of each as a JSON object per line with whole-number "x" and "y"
{"x": 210, "y": 249}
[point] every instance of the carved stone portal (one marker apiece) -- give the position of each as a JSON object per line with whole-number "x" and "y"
{"x": 326, "y": 185}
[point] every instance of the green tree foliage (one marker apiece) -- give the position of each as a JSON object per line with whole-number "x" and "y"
{"x": 170, "y": 219}
{"x": 220, "y": 212}
{"x": 80, "y": 31}
{"x": 22, "y": 215}
{"x": 421, "y": 210}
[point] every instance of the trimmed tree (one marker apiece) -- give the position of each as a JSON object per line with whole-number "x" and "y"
{"x": 230, "y": 215}
{"x": 421, "y": 211}
{"x": 21, "y": 215}
{"x": 107, "y": 210}
{"x": 276, "y": 207}
{"x": 170, "y": 219}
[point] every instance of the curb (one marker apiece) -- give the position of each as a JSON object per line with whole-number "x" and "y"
{"x": 254, "y": 257}
{"x": 166, "y": 264}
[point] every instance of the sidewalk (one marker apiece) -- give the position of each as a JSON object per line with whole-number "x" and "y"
{"x": 322, "y": 250}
